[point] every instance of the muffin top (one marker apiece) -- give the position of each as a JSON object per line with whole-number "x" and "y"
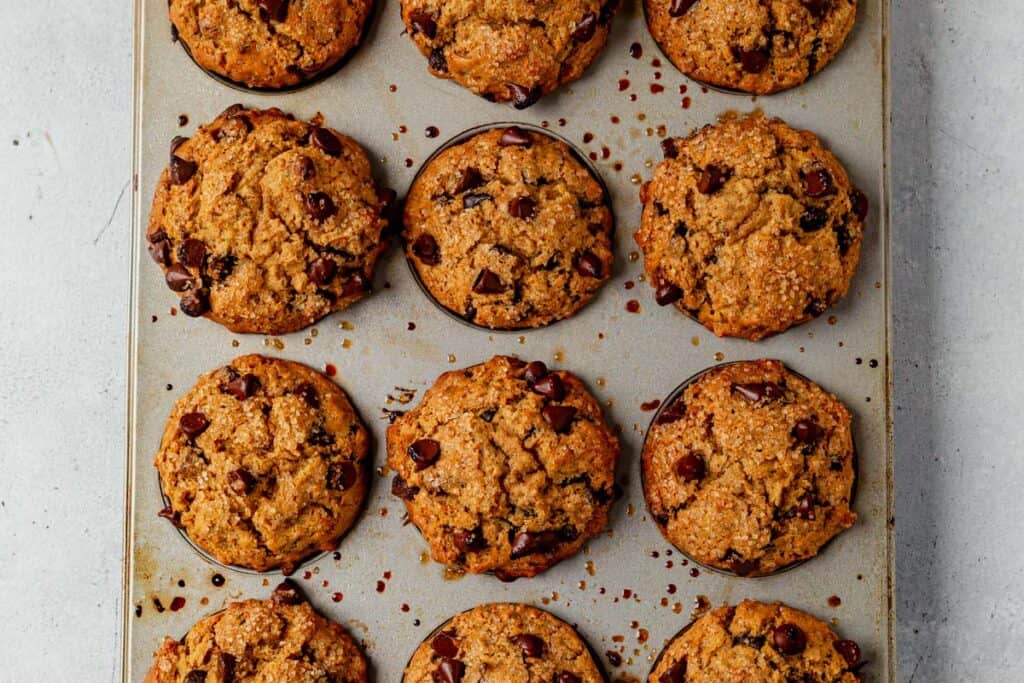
{"x": 513, "y": 50}
{"x": 505, "y": 467}
{"x": 266, "y": 224}
{"x": 751, "y": 468}
{"x": 754, "y": 641}
{"x": 264, "y": 463}
{"x": 269, "y": 43}
{"x": 749, "y": 45}
{"x": 509, "y": 229}
{"x": 750, "y": 227}
{"x": 503, "y": 642}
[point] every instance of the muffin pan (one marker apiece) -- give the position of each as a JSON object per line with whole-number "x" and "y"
{"x": 629, "y": 592}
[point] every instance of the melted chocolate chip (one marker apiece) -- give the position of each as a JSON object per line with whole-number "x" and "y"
{"x": 472, "y": 200}
{"x": 445, "y": 645}
{"x": 567, "y": 677}
{"x": 241, "y": 481}
{"x": 523, "y": 208}
{"x": 288, "y": 593}
{"x": 522, "y": 96}
{"x": 535, "y": 370}
{"x": 356, "y": 284}
{"x": 426, "y": 250}
{"x": 813, "y": 219}
{"x": 681, "y": 229}
{"x": 273, "y": 9}
{"x": 323, "y": 270}
{"x": 816, "y": 8}
{"x": 401, "y": 489}
{"x": 859, "y": 201}
{"x": 532, "y": 543}
{"x": 789, "y": 639}
{"x": 710, "y": 180}
{"x": 469, "y": 541}
{"x": 178, "y": 278}
{"x": 818, "y": 183}
{"x": 160, "y": 251}
{"x": 691, "y": 467}
{"x": 673, "y": 413}
{"x": 243, "y": 387}
{"x": 675, "y": 674}
{"x": 584, "y": 30}
{"x": 753, "y": 61}
{"x": 341, "y": 476}
{"x": 469, "y": 179}
{"x": 181, "y": 170}
{"x": 667, "y": 293}
{"x": 805, "y": 507}
{"x": 307, "y": 392}
{"x": 220, "y": 268}
{"x": 194, "y": 304}
{"x": 680, "y": 7}
{"x": 843, "y": 239}
{"x": 227, "y": 666}
{"x": 488, "y": 282}
{"x": 437, "y": 61}
{"x": 515, "y": 137}
{"x": 325, "y": 141}
{"x": 171, "y": 516}
{"x": 423, "y": 22}
{"x": 451, "y": 670}
{"x": 191, "y": 252}
{"x": 305, "y": 168}
{"x": 758, "y": 391}
{"x": 320, "y": 206}
{"x": 739, "y": 565}
{"x": 850, "y": 651}
{"x": 559, "y": 417}
{"x": 424, "y": 453}
{"x": 531, "y": 645}
{"x": 589, "y": 265}
{"x": 807, "y": 431}
{"x": 193, "y": 424}
{"x": 668, "y": 148}
{"x": 550, "y": 387}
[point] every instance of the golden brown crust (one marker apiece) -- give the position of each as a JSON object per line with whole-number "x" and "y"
{"x": 751, "y": 469}
{"x": 264, "y": 463}
{"x": 516, "y": 235}
{"x": 754, "y": 641}
{"x": 750, "y": 45}
{"x": 293, "y": 42}
{"x": 266, "y": 224}
{"x": 514, "y": 50}
{"x": 750, "y": 227}
{"x": 500, "y": 477}
{"x": 504, "y": 642}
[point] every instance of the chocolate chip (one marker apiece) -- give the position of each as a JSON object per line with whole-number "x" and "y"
{"x": 672, "y": 413}
{"x": 675, "y": 674}
{"x": 305, "y": 168}
{"x": 273, "y": 9}
{"x": 176, "y": 142}
{"x": 356, "y": 284}
{"x": 307, "y": 392}
{"x": 584, "y": 30}
{"x": 288, "y": 593}
{"x": 423, "y": 22}
{"x": 789, "y": 639}
{"x": 758, "y": 391}
{"x": 195, "y": 676}
{"x": 241, "y": 481}
{"x": 221, "y": 267}
{"x": 194, "y": 304}
{"x": 193, "y": 424}
{"x": 815, "y": 307}
{"x": 191, "y": 252}
{"x": 531, "y": 645}
{"x": 747, "y": 640}
{"x": 178, "y": 278}
{"x": 160, "y": 251}
{"x": 472, "y": 200}
{"x": 171, "y": 516}
{"x": 515, "y": 136}
{"x": 559, "y": 417}
{"x": 445, "y": 645}
{"x": 850, "y": 651}
{"x": 680, "y": 7}
{"x": 813, "y": 218}
{"x": 451, "y": 670}
{"x": 535, "y": 370}
{"x": 550, "y": 387}
{"x": 807, "y": 431}
{"x": 567, "y": 677}
{"x": 426, "y": 250}
{"x": 488, "y": 282}
{"x": 739, "y": 565}
{"x": 323, "y": 270}
{"x": 227, "y": 667}
{"x": 243, "y": 387}
{"x": 326, "y": 141}
{"x": 469, "y": 541}
{"x": 843, "y": 239}
{"x": 437, "y": 60}
{"x": 815, "y": 7}
{"x": 469, "y": 179}
{"x": 522, "y": 96}
{"x": 424, "y": 453}
{"x": 522, "y": 207}
{"x": 711, "y": 180}
{"x": 681, "y": 229}
{"x": 470, "y": 313}
{"x": 805, "y": 507}
{"x": 667, "y": 293}
{"x": 401, "y": 489}
{"x": 320, "y": 206}
{"x": 532, "y": 543}
{"x": 341, "y": 476}
{"x": 818, "y": 183}
{"x": 859, "y": 200}
{"x": 753, "y": 61}
{"x": 691, "y": 467}
{"x": 181, "y": 170}
{"x": 589, "y": 265}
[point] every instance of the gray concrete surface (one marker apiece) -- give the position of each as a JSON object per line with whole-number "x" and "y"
{"x": 958, "y": 182}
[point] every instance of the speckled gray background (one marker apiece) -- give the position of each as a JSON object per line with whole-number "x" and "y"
{"x": 958, "y": 182}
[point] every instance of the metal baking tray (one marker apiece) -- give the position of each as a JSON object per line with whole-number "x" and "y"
{"x": 621, "y": 592}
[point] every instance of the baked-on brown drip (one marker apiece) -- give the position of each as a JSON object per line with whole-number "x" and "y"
{"x": 750, "y": 227}
{"x": 513, "y": 50}
{"x": 505, "y": 467}
{"x": 264, "y": 463}
{"x": 751, "y": 45}
{"x": 503, "y": 642}
{"x": 751, "y": 468}
{"x": 754, "y": 641}
{"x": 269, "y": 43}
{"x": 509, "y": 229}
{"x": 266, "y": 224}
{"x": 280, "y": 640}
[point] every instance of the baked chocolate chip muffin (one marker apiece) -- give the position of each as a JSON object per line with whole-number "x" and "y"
{"x": 505, "y": 467}
{"x": 751, "y": 468}
{"x": 750, "y": 227}
{"x": 754, "y": 641}
{"x": 267, "y": 224}
{"x": 503, "y": 642}
{"x": 269, "y": 43}
{"x": 264, "y": 463}
{"x": 750, "y": 45}
{"x": 513, "y": 50}
{"x": 509, "y": 229}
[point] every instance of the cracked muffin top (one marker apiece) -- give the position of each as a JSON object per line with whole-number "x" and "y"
{"x": 281, "y": 639}
{"x": 504, "y": 467}
{"x": 751, "y": 45}
{"x": 509, "y": 50}
{"x": 754, "y": 641}
{"x": 509, "y": 229}
{"x": 751, "y": 468}
{"x": 269, "y": 43}
{"x": 264, "y": 463}
{"x": 503, "y": 642}
{"x": 750, "y": 227}
{"x": 266, "y": 224}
